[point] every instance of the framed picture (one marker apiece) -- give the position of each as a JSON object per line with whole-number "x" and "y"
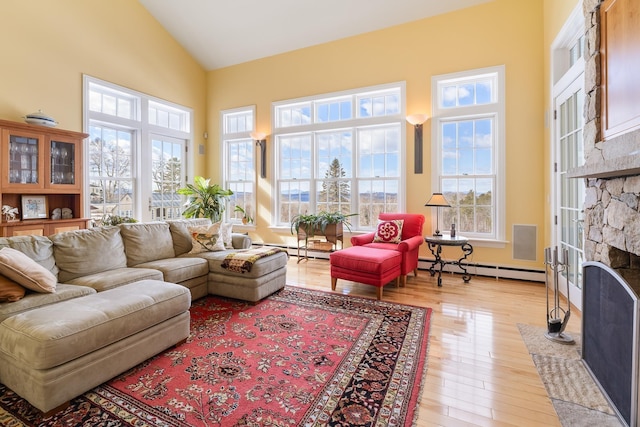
{"x": 34, "y": 207}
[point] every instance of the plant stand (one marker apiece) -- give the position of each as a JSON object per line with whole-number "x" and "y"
{"x": 333, "y": 233}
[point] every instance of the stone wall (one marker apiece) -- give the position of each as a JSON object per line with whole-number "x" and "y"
{"x": 612, "y": 200}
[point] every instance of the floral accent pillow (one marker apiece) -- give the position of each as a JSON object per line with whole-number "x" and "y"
{"x": 206, "y": 238}
{"x": 389, "y": 231}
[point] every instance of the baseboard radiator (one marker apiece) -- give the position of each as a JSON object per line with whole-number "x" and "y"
{"x": 486, "y": 270}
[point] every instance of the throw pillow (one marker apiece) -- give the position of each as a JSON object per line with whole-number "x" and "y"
{"x": 389, "y": 231}
{"x": 18, "y": 267}
{"x": 206, "y": 239}
{"x": 9, "y": 290}
{"x": 225, "y": 230}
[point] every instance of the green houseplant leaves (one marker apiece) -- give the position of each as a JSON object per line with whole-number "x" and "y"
{"x": 204, "y": 199}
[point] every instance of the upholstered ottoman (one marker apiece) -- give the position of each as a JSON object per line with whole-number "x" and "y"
{"x": 266, "y": 275}
{"x": 370, "y": 266}
{"x": 55, "y": 353}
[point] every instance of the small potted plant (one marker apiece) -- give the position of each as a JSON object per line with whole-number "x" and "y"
{"x": 110, "y": 219}
{"x": 246, "y": 218}
{"x": 204, "y": 200}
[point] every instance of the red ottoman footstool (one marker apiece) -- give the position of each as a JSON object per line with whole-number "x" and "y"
{"x": 371, "y": 266}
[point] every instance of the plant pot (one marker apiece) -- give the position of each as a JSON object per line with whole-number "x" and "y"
{"x": 331, "y": 232}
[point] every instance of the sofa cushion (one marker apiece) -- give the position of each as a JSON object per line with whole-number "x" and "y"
{"x": 84, "y": 252}
{"x": 180, "y": 234}
{"x": 38, "y": 248}
{"x": 56, "y": 334}
{"x": 177, "y": 270}
{"x": 19, "y": 267}
{"x": 117, "y": 277}
{"x": 388, "y": 231}
{"x": 144, "y": 242}
{"x": 33, "y": 300}
{"x": 206, "y": 238}
{"x": 10, "y": 291}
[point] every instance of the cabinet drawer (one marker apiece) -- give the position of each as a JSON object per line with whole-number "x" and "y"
{"x": 55, "y": 229}
{"x": 24, "y": 230}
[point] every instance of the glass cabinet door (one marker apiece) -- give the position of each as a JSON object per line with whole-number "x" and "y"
{"x": 23, "y": 159}
{"x": 63, "y": 157}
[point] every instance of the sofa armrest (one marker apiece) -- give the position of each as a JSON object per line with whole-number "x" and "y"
{"x": 410, "y": 244}
{"x": 362, "y": 239}
{"x": 240, "y": 241}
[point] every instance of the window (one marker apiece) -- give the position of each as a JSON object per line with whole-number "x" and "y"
{"x": 468, "y": 127}
{"x": 136, "y": 153}
{"x": 340, "y": 152}
{"x": 239, "y": 165}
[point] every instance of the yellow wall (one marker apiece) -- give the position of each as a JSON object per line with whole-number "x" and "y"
{"x": 508, "y": 32}
{"x": 46, "y": 46}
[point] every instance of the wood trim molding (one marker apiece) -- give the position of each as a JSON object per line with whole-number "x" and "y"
{"x": 620, "y": 62}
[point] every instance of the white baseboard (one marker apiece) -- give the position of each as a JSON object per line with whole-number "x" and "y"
{"x": 487, "y": 270}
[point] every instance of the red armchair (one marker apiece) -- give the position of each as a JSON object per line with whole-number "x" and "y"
{"x": 409, "y": 245}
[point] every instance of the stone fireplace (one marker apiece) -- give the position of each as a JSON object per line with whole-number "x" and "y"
{"x": 611, "y": 169}
{"x": 611, "y": 324}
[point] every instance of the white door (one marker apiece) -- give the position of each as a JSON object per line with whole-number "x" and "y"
{"x": 569, "y": 192}
{"x": 166, "y": 166}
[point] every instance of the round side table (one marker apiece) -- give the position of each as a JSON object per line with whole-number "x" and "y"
{"x": 436, "y": 243}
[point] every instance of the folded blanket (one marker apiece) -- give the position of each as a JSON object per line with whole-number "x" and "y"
{"x": 241, "y": 262}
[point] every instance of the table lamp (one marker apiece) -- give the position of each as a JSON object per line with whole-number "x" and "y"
{"x": 437, "y": 200}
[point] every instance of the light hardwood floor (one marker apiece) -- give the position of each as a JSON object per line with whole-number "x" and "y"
{"x": 479, "y": 371}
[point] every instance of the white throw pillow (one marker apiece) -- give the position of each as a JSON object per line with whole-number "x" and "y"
{"x": 23, "y": 270}
{"x": 225, "y": 230}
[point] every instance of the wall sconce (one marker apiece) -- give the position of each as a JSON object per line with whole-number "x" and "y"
{"x": 261, "y": 141}
{"x": 438, "y": 201}
{"x": 417, "y": 120}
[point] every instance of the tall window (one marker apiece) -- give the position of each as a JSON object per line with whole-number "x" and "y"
{"x": 136, "y": 155}
{"x": 468, "y": 127}
{"x": 340, "y": 152}
{"x": 239, "y": 165}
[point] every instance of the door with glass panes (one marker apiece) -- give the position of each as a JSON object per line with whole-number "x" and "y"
{"x": 167, "y": 176}
{"x": 570, "y": 191}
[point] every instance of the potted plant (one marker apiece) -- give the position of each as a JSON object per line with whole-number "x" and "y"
{"x": 110, "y": 219}
{"x": 204, "y": 199}
{"x": 328, "y": 224}
{"x": 246, "y": 218}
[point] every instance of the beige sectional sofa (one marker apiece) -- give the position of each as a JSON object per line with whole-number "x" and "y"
{"x": 123, "y": 295}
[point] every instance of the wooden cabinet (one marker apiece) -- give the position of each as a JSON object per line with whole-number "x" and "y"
{"x": 45, "y": 162}
{"x": 620, "y": 56}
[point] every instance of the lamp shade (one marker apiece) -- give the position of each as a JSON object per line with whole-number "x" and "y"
{"x": 437, "y": 199}
{"x": 417, "y": 119}
{"x": 258, "y": 136}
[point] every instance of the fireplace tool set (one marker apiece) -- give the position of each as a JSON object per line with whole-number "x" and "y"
{"x": 557, "y": 317}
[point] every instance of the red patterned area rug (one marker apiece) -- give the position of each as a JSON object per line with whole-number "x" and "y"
{"x": 297, "y": 358}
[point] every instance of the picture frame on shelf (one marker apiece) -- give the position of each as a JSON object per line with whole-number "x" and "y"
{"x": 34, "y": 207}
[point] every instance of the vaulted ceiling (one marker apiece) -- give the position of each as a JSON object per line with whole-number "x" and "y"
{"x": 220, "y": 33}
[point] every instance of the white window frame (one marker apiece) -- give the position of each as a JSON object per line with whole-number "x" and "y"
{"x": 143, "y": 131}
{"x": 495, "y": 110}
{"x": 355, "y": 124}
{"x": 227, "y": 137}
